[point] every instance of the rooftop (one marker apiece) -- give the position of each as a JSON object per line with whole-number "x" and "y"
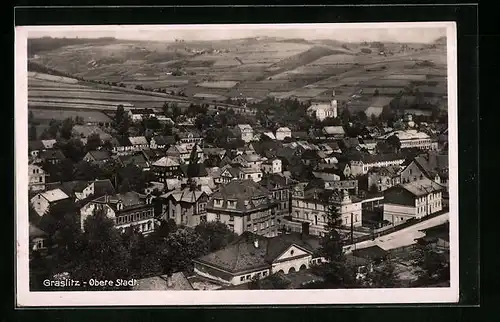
{"x": 242, "y": 255}
{"x": 54, "y": 195}
{"x": 241, "y": 195}
{"x": 422, "y": 187}
{"x": 138, "y": 140}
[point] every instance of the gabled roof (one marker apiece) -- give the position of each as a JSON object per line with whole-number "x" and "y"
{"x": 214, "y": 172}
{"x": 48, "y": 144}
{"x": 283, "y": 129}
{"x": 167, "y": 161}
{"x": 421, "y": 187}
{"x": 153, "y": 155}
{"x": 137, "y": 159}
{"x": 35, "y": 232}
{"x": 243, "y": 127}
{"x": 164, "y": 140}
{"x": 247, "y": 194}
{"x": 242, "y": 255}
{"x": 52, "y": 154}
{"x": 103, "y": 187}
{"x": 35, "y": 145}
{"x": 100, "y": 155}
{"x": 333, "y": 130}
{"x": 129, "y": 200}
{"x": 200, "y": 170}
{"x": 276, "y": 181}
{"x": 370, "y": 253}
{"x": 54, "y": 195}
{"x": 138, "y": 140}
{"x": 185, "y": 195}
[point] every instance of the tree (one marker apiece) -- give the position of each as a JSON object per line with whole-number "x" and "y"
{"x": 373, "y": 188}
{"x": 151, "y": 123}
{"x": 216, "y": 234}
{"x": 433, "y": 266}
{"x": 103, "y": 255}
{"x": 143, "y": 259}
{"x": 192, "y": 170}
{"x": 84, "y": 170}
{"x": 119, "y": 115}
{"x": 32, "y": 135}
{"x": 124, "y": 125}
{"x": 394, "y": 141}
{"x": 181, "y": 247}
{"x": 383, "y": 276}
{"x": 125, "y": 186}
{"x": 336, "y": 271}
{"x": 73, "y": 149}
{"x": 93, "y": 142}
{"x": 376, "y": 93}
{"x": 67, "y": 128}
{"x": 345, "y": 116}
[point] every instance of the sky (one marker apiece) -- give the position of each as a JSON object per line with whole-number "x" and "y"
{"x": 421, "y": 32}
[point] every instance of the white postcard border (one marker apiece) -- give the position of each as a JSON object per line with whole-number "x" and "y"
{"x": 26, "y": 298}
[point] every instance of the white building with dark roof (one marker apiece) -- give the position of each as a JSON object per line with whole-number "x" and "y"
{"x": 282, "y": 133}
{"x": 244, "y": 205}
{"x": 416, "y": 199}
{"x": 412, "y": 139}
{"x": 245, "y": 132}
{"x": 42, "y": 201}
{"x": 129, "y": 209}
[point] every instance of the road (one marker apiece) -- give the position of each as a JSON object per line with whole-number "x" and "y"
{"x": 403, "y": 237}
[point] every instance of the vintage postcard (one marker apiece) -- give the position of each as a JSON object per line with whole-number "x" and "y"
{"x": 236, "y": 164}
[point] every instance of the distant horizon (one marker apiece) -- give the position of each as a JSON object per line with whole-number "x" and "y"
{"x": 354, "y": 33}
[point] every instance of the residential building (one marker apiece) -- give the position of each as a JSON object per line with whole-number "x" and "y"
{"x": 129, "y": 209}
{"x": 51, "y": 156}
{"x": 333, "y": 132}
{"x": 215, "y": 174}
{"x": 190, "y": 138}
{"x": 34, "y": 148}
{"x": 165, "y": 168}
{"x": 37, "y": 239}
{"x": 322, "y": 110}
{"x": 228, "y": 174}
{"x": 411, "y": 139}
{"x": 84, "y": 131}
{"x": 182, "y": 152}
{"x": 361, "y": 163}
{"x": 186, "y": 206}
{"x": 272, "y": 166}
{"x": 257, "y": 256}
{"x": 282, "y": 133}
{"x": 79, "y": 190}
{"x": 245, "y": 132}
{"x": 254, "y": 174}
{"x": 161, "y": 142}
{"x": 42, "y": 201}
{"x": 99, "y": 157}
{"x": 280, "y": 188}
{"x": 153, "y": 187}
{"x": 135, "y": 158}
{"x": 248, "y": 160}
{"x": 412, "y": 200}
{"x": 381, "y": 179}
{"x": 36, "y": 177}
{"x": 49, "y": 144}
{"x": 244, "y": 205}
{"x": 138, "y": 143}
{"x": 120, "y": 145}
{"x": 138, "y": 114}
{"x": 314, "y": 205}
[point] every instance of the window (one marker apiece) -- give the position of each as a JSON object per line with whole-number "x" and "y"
{"x": 217, "y": 217}
{"x": 231, "y": 218}
{"x": 291, "y": 252}
{"x": 264, "y": 273}
{"x": 40, "y": 179}
{"x": 242, "y": 278}
{"x": 248, "y": 277}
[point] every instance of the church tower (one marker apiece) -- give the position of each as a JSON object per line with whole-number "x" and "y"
{"x": 333, "y": 105}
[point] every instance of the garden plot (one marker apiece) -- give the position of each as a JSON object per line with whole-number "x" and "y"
{"x": 49, "y": 114}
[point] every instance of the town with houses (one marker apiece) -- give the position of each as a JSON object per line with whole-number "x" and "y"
{"x": 210, "y": 196}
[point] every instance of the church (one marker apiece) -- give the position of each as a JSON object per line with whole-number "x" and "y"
{"x": 322, "y": 110}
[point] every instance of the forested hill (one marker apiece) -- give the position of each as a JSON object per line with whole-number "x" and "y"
{"x": 37, "y": 45}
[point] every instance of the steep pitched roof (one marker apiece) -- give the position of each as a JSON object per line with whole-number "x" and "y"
{"x": 35, "y": 145}
{"x": 334, "y": 130}
{"x": 422, "y": 187}
{"x": 35, "y": 232}
{"x": 247, "y": 195}
{"x": 103, "y": 187}
{"x": 137, "y": 159}
{"x": 200, "y": 170}
{"x": 129, "y": 200}
{"x": 167, "y": 161}
{"x": 185, "y": 195}
{"x": 163, "y": 140}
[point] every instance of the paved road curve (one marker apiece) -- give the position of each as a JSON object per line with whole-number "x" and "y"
{"x": 405, "y": 236}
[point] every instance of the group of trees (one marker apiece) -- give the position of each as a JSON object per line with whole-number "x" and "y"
{"x": 102, "y": 252}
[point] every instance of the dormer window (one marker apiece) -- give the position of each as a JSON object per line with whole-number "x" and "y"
{"x": 119, "y": 205}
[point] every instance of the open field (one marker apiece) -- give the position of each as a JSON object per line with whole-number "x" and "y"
{"x": 252, "y": 67}
{"x": 49, "y": 114}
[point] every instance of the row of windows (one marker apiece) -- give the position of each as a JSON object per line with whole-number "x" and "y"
{"x": 134, "y": 217}
{"x": 249, "y": 276}
{"x": 261, "y": 226}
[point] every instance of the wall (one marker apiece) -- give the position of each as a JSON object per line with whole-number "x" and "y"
{"x": 354, "y": 209}
{"x": 411, "y": 173}
{"x": 213, "y": 273}
{"x": 397, "y": 214}
{"x": 292, "y": 263}
{"x": 40, "y": 204}
{"x": 262, "y": 222}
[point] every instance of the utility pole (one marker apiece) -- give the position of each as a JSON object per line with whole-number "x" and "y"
{"x": 352, "y": 229}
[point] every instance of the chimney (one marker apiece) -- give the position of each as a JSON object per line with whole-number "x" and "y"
{"x": 305, "y": 229}
{"x": 170, "y": 283}
{"x": 256, "y": 243}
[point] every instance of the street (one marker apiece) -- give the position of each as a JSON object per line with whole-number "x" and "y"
{"x": 403, "y": 237}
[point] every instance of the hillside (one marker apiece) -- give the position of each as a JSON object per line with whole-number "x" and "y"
{"x": 39, "y": 45}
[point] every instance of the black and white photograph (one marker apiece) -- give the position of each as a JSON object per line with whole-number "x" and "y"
{"x": 316, "y": 161}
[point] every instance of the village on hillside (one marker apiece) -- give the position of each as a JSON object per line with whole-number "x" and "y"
{"x": 344, "y": 191}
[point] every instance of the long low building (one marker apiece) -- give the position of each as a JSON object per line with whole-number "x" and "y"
{"x": 254, "y": 256}
{"x": 413, "y": 139}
